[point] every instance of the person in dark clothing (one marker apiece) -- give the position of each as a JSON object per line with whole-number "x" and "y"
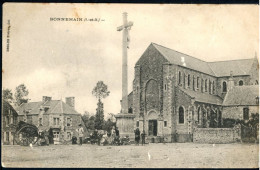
{"x": 117, "y": 140}
{"x": 143, "y": 137}
{"x": 137, "y": 136}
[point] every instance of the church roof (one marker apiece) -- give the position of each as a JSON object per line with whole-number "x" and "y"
{"x": 218, "y": 69}
{"x": 241, "y": 95}
{"x": 203, "y": 97}
{"x": 55, "y": 107}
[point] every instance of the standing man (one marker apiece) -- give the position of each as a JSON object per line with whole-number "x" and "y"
{"x": 81, "y": 133}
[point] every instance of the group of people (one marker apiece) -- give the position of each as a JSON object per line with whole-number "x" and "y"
{"x": 139, "y": 135}
{"x": 110, "y": 137}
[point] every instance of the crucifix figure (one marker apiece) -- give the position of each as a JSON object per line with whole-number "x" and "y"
{"x": 124, "y": 28}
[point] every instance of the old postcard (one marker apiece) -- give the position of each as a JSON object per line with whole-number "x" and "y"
{"x": 130, "y": 86}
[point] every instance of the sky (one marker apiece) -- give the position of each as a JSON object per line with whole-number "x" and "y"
{"x": 67, "y": 58}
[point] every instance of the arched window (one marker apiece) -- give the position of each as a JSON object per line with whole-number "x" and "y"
{"x": 209, "y": 87}
{"x": 130, "y": 110}
{"x": 241, "y": 83}
{"x": 184, "y": 82}
{"x": 224, "y": 86}
{"x": 206, "y": 85}
{"x": 202, "y": 84}
{"x": 213, "y": 85}
{"x": 181, "y": 114}
{"x": 198, "y": 114}
{"x": 165, "y": 87}
{"x": 179, "y": 78}
{"x": 198, "y": 79}
{"x": 245, "y": 113}
{"x": 193, "y": 83}
{"x": 188, "y": 80}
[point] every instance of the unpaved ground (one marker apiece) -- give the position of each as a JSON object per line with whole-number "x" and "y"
{"x": 172, "y": 155}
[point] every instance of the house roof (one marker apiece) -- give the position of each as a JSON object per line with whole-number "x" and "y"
{"x": 241, "y": 95}
{"x": 218, "y": 69}
{"x": 6, "y": 106}
{"x": 55, "y": 107}
{"x": 203, "y": 97}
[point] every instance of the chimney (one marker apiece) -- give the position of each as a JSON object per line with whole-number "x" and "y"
{"x": 46, "y": 98}
{"x": 70, "y": 101}
{"x": 231, "y": 83}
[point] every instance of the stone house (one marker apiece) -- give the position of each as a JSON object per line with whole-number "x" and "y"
{"x": 9, "y": 122}
{"x": 241, "y": 102}
{"x": 60, "y": 117}
{"x": 173, "y": 93}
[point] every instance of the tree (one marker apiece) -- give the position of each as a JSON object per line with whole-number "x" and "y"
{"x": 100, "y": 91}
{"x": 88, "y": 120}
{"x": 7, "y": 95}
{"x": 20, "y": 93}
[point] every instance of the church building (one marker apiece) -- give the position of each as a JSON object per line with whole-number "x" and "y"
{"x": 173, "y": 93}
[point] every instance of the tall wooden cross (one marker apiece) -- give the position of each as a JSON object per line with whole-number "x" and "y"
{"x": 125, "y": 27}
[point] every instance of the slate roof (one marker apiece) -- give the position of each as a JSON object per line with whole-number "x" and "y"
{"x": 217, "y": 69}
{"x": 241, "y": 95}
{"x": 203, "y": 97}
{"x": 238, "y": 67}
{"x": 55, "y": 107}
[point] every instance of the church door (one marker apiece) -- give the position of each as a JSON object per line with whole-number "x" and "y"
{"x": 152, "y": 128}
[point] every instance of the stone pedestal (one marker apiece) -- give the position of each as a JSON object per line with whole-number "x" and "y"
{"x": 125, "y": 124}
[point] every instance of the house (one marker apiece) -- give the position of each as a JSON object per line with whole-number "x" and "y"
{"x": 9, "y": 121}
{"x": 241, "y": 102}
{"x": 60, "y": 118}
{"x": 173, "y": 93}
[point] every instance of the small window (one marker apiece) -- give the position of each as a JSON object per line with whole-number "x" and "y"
{"x": 181, "y": 115}
{"x": 7, "y": 136}
{"x": 68, "y": 121}
{"x": 224, "y": 87}
{"x": 210, "y": 87}
{"x": 69, "y": 135}
{"x": 245, "y": 113}
{"x": 40, "y": 121}
{"x": 199, "y": 115}
{"x": 256, "y": 82}
{"x": 137, "y": 123}
{"x": 56, "y": 121}
{"x": 165, "y": 87}
{"x": 7, "y": 120}
{"x": 165, "y": 123}
{"x": 188, "y": 80}
{"x": 130, "y": 110}
{"x": 241, "y": 83}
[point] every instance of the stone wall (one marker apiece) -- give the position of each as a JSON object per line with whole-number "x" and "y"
{"x": 236, "y": 112}
{"x": 216, "y": 135}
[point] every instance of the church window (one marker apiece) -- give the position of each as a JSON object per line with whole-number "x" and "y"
{"x": 181, "y": 115}
{"x": 184, "y": 82}
{"x": 179, "y": 78}
{"x": 193, "y": 83}
{"x": 209, "y": 87}
{"x": 241, "y": 83}
{"x": 137, "y": 123}
{"x": 224, "y": 87}
{"x": 165, "y": 123}
{"x": 165, "y": 87}
{"x": 245, "y": 113}
{"x": 198, "y": 114}
{"x": 213, "y": 86}
{"x": 202, "y": 84}
{"x": 130, "y": 110}
{"x": 188, "y": 80}
{"x": 198, "y": 79}
{"x": 206, "y": 85}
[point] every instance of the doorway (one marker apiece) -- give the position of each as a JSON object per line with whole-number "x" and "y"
{"x": 152, "y": 129}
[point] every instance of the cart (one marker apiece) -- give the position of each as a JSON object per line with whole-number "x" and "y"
{"x": 26, "y": 134}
